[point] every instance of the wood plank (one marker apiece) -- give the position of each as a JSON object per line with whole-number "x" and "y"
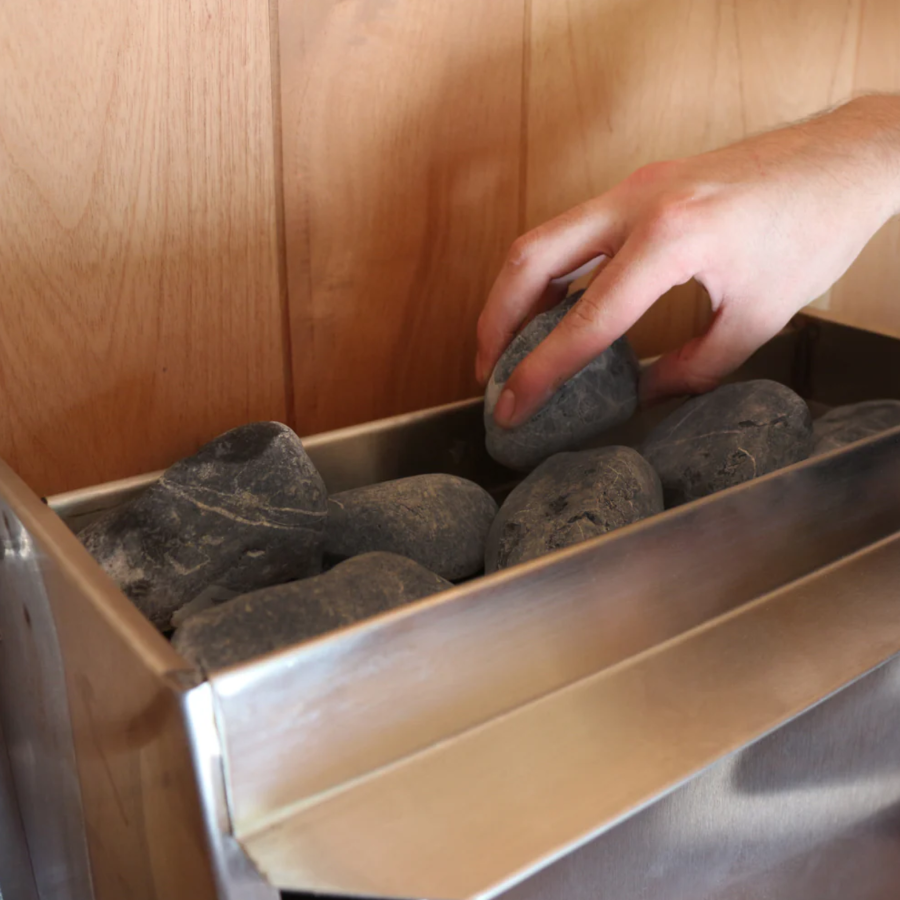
{"x": 138, "y": 241}
{"x": 401, "y": 124}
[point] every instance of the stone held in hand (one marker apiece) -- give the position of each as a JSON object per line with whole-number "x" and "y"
{"x": 726, "y": 437}
{"x": 247, "y": 510}
{"x": 845, "y": 425}
{"x": 440, "y": 521}
{"x": 599, "y": 397}
{"x": 277, "y": 617}
{"x": 570, "y": 498}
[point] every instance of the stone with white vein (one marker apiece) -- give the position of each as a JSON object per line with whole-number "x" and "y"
{"x": 247, "y": 510}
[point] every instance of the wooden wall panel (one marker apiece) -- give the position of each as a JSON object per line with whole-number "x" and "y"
{"x": 419, "y": 138}
{"x": 402, "y": 128}
{"x": 141, "y": 306}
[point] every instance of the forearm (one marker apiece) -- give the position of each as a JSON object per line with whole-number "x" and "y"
{"x": 858, "y": 142}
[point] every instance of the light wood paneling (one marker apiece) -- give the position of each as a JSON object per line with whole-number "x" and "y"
{"x": 139, "y": 284}
{"x": 139, "y": 254}
{"x": 419, "y": 138}
{"x": 401, "y": 164}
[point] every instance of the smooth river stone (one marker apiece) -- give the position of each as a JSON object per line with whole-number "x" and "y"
{"x": 844, "y": 425}
{"x": 276, "y": 617}
{"x": 247, "y": 510}
{"x": 440, "y": 521}
{"x": 602, "y": 395}
{"x": 570, "y": 498}
{"x": 728, "y": 436}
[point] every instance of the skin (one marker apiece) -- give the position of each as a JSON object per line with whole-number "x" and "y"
{"x": 765, "y": 225}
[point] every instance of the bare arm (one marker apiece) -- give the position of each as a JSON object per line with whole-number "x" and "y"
{"x": 766, "y": 225}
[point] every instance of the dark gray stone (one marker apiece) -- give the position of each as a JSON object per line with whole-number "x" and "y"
{"x": 845, "y": 425}
{"x": 440, "y": 521}
{"x": 276, "y": 617}
{"x": 247, "y": 510}
{"x": 602, "y": 395}
{"x": 730, "y": 435}
{"x": 570, "y": 498}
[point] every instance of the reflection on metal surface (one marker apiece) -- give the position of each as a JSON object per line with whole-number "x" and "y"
{"x": 476, "y": 813}
{"x": 16, "y": 875}
{"x": 784, "y": 819}
{"x": 236, "y": 878}
{"x": 35, "y": 717}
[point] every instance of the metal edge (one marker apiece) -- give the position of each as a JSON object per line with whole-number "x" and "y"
{"x": 17, "y": 881}
{"x": 235, "y": 876}
{"x": 35, "y": 709}
{"x": 80, "y": 569}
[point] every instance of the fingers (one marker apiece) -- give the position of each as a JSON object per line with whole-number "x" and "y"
{"x": 619, "y": 295}
{"x": 559, "y": 287}
{"x": 697, "y": 367}
{"x": 537, "y": 270}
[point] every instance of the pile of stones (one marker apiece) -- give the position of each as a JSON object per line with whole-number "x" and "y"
{"x": 239, "y": 550}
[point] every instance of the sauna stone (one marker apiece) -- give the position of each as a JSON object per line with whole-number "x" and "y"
{"x": 602, "y": 395}
{"x": 246, "y": 511}
{"x": 276, "y": 617}
{"x": 728, "y": 436}
{"x": 845, "y": 425}
{"x": 440, "y": 521}
{"x": 569, "y": 498}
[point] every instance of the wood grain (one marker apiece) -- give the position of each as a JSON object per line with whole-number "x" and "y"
{"x": 401, "y": 163}
{"x": 142, "y": 312}
{"x": 420, "y": 138}
{"x": 139, "y": 247}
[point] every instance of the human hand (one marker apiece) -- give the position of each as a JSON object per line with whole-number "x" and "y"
{"x": 766, "y": 226}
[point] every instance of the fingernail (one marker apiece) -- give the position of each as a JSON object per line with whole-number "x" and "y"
{"x": 505, "y": 408}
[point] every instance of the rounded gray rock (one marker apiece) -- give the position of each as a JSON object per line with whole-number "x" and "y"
{"x": 570, "y": 498}
{"x": 277, "y": 617}
{"x": 599, "y": 397}
{"x": 732, "y": 434}
{"x": 845, "y": 425}
{"x": 247, "y": 510}
{"x": 440, "y": 521}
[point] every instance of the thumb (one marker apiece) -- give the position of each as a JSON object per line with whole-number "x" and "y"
{"x": 699, "y": 365}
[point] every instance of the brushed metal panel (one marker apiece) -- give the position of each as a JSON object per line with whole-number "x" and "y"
{"x": 479, "y": 812}
{"x": 810, "y": 812}
{"x": 365, "y": 697}
{"x": 16, "y": 875}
